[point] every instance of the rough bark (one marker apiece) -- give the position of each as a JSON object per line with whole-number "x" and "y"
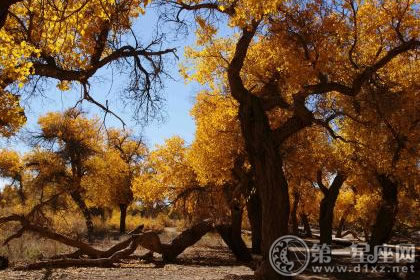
{"x": 262, "y": 147}
{"x": 326, "y": 214}
{"x": 293, "y": 214}
{"x": 77, "y": 198}
{"x": 123, "y": 216}
{"x": 385, "y": 219}
{"x": 306, "y": 225}
{"x": 254, "y": 216}
{"x": 270, "y": 180}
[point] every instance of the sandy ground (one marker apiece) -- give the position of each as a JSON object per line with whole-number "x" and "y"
{"x": 194, "y": 264}
{"x": 208, "y": 259}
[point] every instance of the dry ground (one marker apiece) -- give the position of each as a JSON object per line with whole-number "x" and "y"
{"x": 208, "y": 259}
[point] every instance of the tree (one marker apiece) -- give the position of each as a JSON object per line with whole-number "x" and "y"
{"x": 384, "y": 145}
{"x": 74, "y": 140}
{"x": 218, "y": 157}
{"x": 113, "y": 170}
{"x": 166, "y": 174}
{"x": 11, "y": 167}
{"x": 11, "y": 114}
{"x": 275, "y": 35}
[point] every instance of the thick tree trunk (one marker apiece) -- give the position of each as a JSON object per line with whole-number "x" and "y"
{"x": 123, "y": 216}
{"x": 254, "y": 216}
{"x": 385, "y": 219}
{"x": 262, "y": 146}
{"x": 306, "y": 225}
{"x": 326, "y": 214}
{"x": 77, "y": 198}
{"x": 270, "y": 180}
{"x": 293, "y": 214}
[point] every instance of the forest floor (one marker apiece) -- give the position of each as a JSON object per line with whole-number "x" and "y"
{"x": 208, "y": 259}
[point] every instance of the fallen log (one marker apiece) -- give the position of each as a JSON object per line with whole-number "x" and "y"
{"x": 44, "y": 232}
{"x": 148, "y": 240}
{"x": 186, "y": 239}
{"x": 350, "y": 232}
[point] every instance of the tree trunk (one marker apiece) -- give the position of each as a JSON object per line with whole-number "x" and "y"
{"x": 77, "y": 198}
{"x": 306, "y": 225}
{"x": 186, "y": 239}
{"x": 270, "y": 180}
{"x": 233, "y": 235}
{"x": 123, "y": 216}
{"x": 293, "y": 213}
{"x": 326, "y": 214}
{"x": 385, "y": 219}
{"x": 254, "y": 216}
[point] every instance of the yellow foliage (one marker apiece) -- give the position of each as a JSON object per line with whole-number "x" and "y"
{"x": 12, "y": 116}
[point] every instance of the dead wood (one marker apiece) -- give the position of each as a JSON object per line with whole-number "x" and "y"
{"x": 350, "y": 232}
{"x": 148, "y": 240}
{"x": 186, "y": 239}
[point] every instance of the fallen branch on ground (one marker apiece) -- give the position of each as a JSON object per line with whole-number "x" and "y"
{"x": 122, "y": 250}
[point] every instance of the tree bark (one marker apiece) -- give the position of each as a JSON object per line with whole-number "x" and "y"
{"x": 385, "y": 219}
{"x": 232, "y": 235}
{"x": 262, "y": 146}
{"x": 123, "y": 216}
{"x": 270, "y": 179}
{"x": 235, "y": 243}
{"x": 254, "y": 216}
{"x": 77, "y": 198}
{"x": 187, "y": 238}
{"x": 326, "y": 214}
{"x": 293, "y": 213}
{"x": 306, "y": 225}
